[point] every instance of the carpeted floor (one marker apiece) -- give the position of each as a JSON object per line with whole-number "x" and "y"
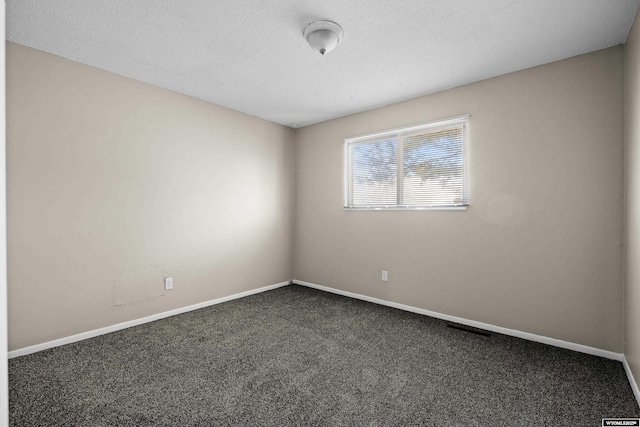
{"x": 297, "y": 356}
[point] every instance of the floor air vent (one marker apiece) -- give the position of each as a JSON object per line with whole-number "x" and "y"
{"x": 469, "y": 329}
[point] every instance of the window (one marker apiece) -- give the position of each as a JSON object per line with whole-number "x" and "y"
{"x": 417, "y": 167}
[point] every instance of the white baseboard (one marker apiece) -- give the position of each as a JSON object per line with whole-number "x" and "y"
{"x": 96, "y": 332}
{"x": 632, "y": 380}
{"x": 486, "y": 326}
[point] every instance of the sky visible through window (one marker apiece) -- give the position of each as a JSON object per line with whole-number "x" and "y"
{"x": 432, "y": 169}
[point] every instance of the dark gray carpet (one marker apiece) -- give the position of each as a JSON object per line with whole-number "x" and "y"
{"x": 297, "y": 356}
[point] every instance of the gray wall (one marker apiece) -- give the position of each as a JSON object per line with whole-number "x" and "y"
{"x": 113, "y": 184}
{"x": 540, "y": 248}
{"x": 632, "y": 198}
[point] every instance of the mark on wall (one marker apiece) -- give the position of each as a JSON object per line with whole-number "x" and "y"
{"x": 506, "y": 209}
{"x": 139, "y": 283}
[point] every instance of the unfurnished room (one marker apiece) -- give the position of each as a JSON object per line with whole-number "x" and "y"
{"x": 330, "y": 213}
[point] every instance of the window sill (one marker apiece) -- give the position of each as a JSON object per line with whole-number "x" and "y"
{"x": 407, "y": 208}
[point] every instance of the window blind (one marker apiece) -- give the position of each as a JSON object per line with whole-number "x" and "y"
{"x": 417, "y": 167}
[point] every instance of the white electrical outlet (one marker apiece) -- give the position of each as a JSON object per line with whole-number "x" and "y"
{"x": 168, "y": 283}
{"x": 385, "y": 276}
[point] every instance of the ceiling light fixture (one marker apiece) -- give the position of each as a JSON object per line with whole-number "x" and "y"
{"x": 323, "y": 36}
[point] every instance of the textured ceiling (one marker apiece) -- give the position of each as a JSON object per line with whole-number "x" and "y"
{"x": 250, "y": 55}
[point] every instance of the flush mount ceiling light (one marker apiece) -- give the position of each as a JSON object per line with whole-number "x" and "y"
{"x": 323, "y": 36}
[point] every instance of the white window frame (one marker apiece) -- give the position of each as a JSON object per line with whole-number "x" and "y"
{"x": 348, "y": 180}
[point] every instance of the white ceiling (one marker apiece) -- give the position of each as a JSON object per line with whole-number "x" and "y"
{"x": 250, "y": 55}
